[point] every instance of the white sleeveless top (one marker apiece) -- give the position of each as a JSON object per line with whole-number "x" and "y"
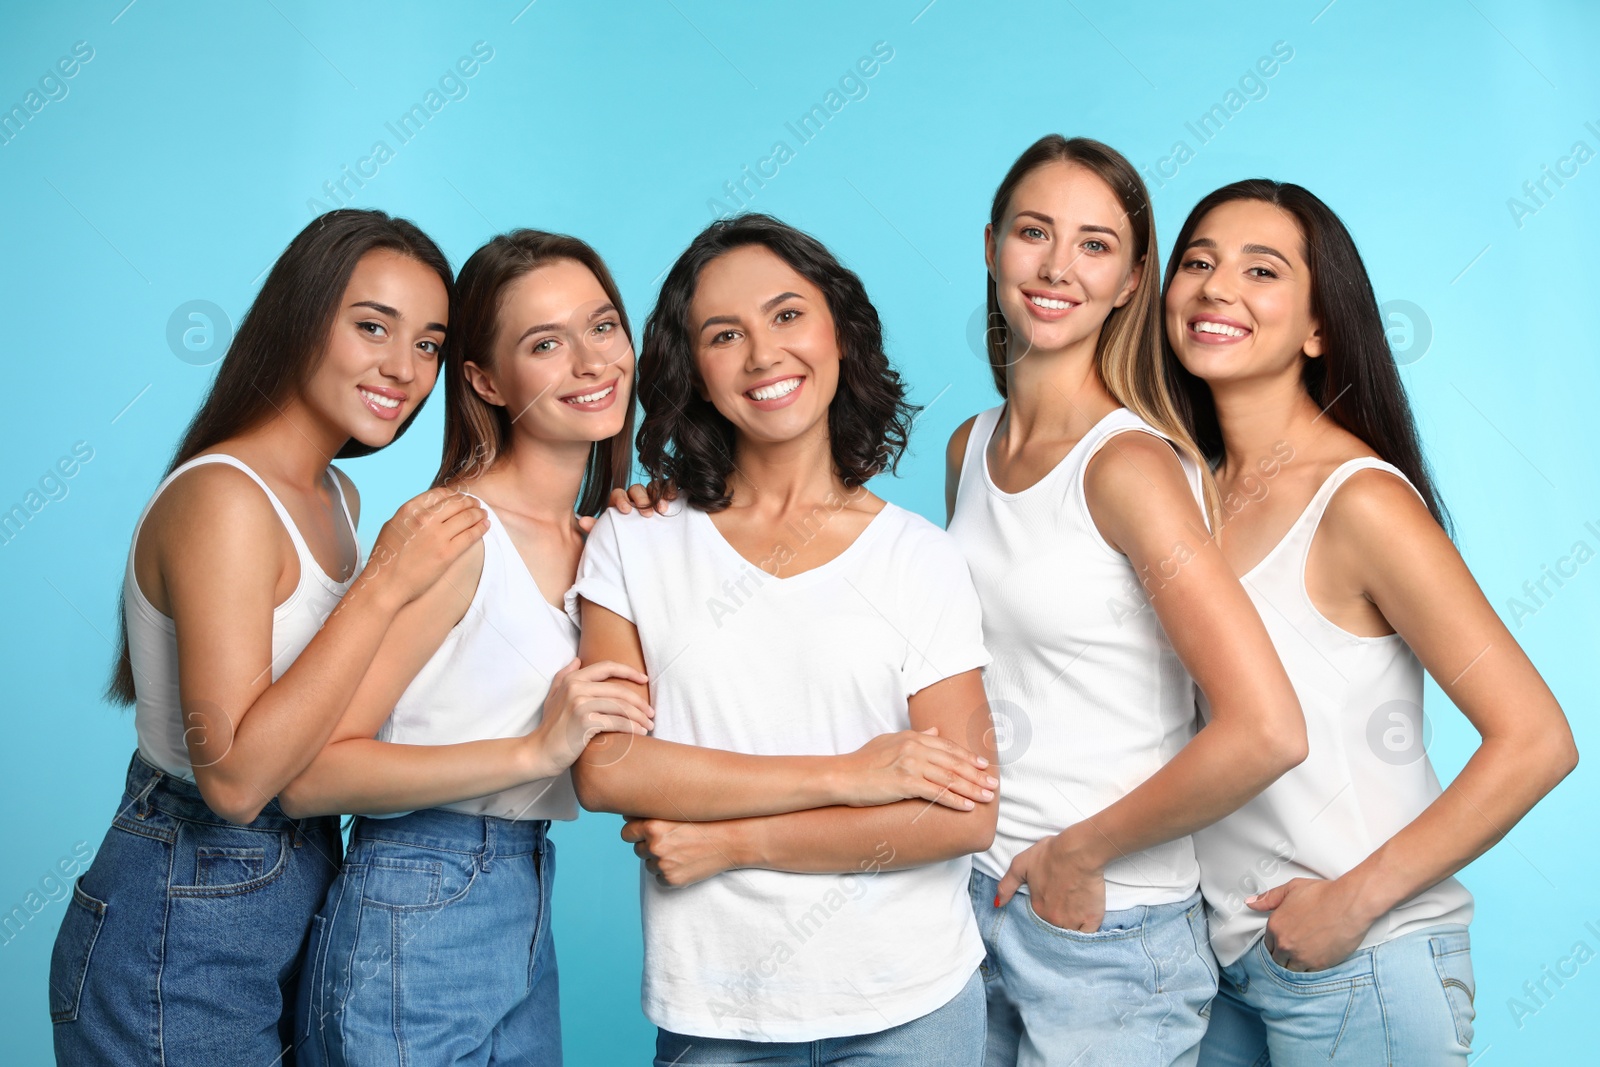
{"x": 1088, "y": 697}
{"x": 1367, "y": 773}
{"x": 490, "y": 677}
{"x": 153, "y": 638}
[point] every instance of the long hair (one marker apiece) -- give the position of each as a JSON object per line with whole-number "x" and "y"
{"x": 281, "y": 341}
{"x": 476, "y": 432}
{"x": 1355, "y": 381}
{"x": 1128, "y": 357}
{"x": 685, "y": 440}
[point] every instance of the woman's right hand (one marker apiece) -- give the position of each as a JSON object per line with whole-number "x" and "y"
{"x": 908, "y": 765}
{"x": 421, "y": 541}
{"x": 637, "y": 497}
{"x": 583, "y": 702}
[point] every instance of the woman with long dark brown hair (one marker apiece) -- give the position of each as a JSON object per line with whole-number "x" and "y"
{"x": 434, "y": 943}
{"x": 247, "y": 629}
{"x": 1335, "y": 913}
{"x": 1081, "y": 506}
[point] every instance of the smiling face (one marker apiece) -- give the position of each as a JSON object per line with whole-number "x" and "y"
{"x": 1061, "y": 259}
{"x": 562, "y": 365}
{"x": 764, "y": 345}
{"x": 1239, "y": 305}
{"x": 382, "y": 355}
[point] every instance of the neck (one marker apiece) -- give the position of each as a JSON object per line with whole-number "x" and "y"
{"x": 295, "y": 445}
{"x": 779, "y": 475}
{"x": 539, "y": 478}
{"x": 1255, "y": 415}
{"x": 1054, "y": 394}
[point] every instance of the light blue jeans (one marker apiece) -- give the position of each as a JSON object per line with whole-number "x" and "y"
{"x": 948, "y": 1036}
{"x": 434, "y": 947}
{"x": 1407, "y": 1002}
{"x": 1135, "y": 993}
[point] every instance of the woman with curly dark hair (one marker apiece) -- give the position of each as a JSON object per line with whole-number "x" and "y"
{"x": 802, "y": 810}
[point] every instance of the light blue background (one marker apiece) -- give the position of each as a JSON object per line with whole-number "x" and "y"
{"x": 181, "y": 161}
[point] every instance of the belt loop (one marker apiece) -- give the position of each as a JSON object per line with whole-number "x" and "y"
{"x": 141, "y": 800}
{"x": 488, "y": 842}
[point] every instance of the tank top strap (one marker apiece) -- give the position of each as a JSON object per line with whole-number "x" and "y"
{"x": 1296, "y": 544}
{"x": 977, "y": 440}
{"x": 1122, "y": 421}
{"x": 344, "y": 504}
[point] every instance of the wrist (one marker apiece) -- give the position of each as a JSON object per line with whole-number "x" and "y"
{"x": 740, "y": 840}
{"x": 1365, "y": 894}
{"x": 1083, "y": 846}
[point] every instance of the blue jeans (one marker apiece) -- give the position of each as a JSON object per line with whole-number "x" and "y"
{"x": 1406, "y": 1001}
{"x": 434, "y": 947}
{"x": 182, "y": 941}
{"x": 948, "y": 1036}
{"x": 1136, "y": 992}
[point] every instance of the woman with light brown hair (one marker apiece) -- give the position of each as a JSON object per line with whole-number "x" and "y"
{"x": 1081, "y": 506}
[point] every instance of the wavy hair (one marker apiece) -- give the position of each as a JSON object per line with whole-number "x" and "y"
{"x": 684, "y": 440}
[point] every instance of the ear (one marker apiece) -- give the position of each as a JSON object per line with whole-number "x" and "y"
{"x": 988, "y": 248}
{"x": 482, "y": 383}
{"x": 1313, "y": 345}
{"x": 1131, "y": 286}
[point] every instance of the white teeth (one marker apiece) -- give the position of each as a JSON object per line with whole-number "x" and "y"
{"x": 1054, "y": 305}
{"x": 1225, "y": 330}
{"x": 589, "y": 398}
{"x": 381, "y": 401}
{"x": 775, "y": 390}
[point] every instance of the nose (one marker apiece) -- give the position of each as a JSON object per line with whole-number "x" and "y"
{"x": 1058, "y": 264}
{"x": 399, "y": 363}
{"x": 1217, "y": 287}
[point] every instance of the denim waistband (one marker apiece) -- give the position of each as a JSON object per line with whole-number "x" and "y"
{"x": 454, "y": 831}
{"x": 151, "y": 788}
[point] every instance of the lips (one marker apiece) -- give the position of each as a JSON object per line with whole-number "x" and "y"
{"x": 775, "y": 392}
{"x": 595, "y": 398}
{"x": 1217, "y": 330}
{"x": 386, "y": 404}
{"x": 1048, "y": 306}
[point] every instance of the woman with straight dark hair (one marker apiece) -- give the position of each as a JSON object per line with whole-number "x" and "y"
{"x": 812, "y": 651}
{"x": 1335, "y": 913}
{"x": 246, "y": 631}
{"x": 1081, "y": 504}
{"x": 434, "y": 944}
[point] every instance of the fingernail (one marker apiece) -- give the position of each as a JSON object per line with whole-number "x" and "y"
{"x": 982, "y": 762}
{"x": 988, "y": 794}
{"x": 997, "y": 900}
{"x": 993, "y": 781}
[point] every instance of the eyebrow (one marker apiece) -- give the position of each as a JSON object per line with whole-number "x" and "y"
{"x": 1259, "y": 250}
{"x": 544, "y": 327}
{"x": 732, "y": 320}
{"x": 1085, "y": 228}
{"x": 393, "y": 313}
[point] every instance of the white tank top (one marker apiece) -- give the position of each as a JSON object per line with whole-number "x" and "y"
{"x": 1366, "y": 774}
{"x": 490, "y": 677}
{"x": 1088, "y": 697}
{"x": 153, "y": 638}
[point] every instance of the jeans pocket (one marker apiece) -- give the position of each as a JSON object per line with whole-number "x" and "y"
{"x": 1115, "y": 926}
{"x": 1452, "y": 958}
{"x": 228, "y": 861}
{"x": 1341, "y": 975}
{"x": 69, "y": 958}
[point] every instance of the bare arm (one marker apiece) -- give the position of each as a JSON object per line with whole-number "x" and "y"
{"x": 1377, "y": 532}
{"x": 219, "y": 554}
{"x": 1142, "y": 504}
{"x": 909, "y": 833}
{"x": 646, "y": 776}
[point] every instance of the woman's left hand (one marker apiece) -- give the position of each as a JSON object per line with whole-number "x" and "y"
{"x": 1315, "y": 923}
{"x": 680, "y": 853}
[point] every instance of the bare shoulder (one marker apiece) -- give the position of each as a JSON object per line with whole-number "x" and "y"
{"x": 351, "y": 497}
{"x": 1138, "y": 463}
{"x": 956, "y": 450}
{"x": 1376, "y": 512}
{"x": 214, "y": 498}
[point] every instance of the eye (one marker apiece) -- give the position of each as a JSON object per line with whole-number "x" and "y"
{"x": 1196, "y": 264}
{"x": 430, "y": 347}
{"x": 605, "y": 327}
{"x": 1032, "y": 232}
{"x": 377, "y": 328}
{"x": 724, "y": 337}
{"x": 787, "y": 315}
{"x": 1094, "y": 245}
{"x": 545, "y": 347}
{"x": 1264, "y": 272}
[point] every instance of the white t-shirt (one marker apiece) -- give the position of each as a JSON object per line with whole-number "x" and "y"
{"x": 814, "y": 664}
